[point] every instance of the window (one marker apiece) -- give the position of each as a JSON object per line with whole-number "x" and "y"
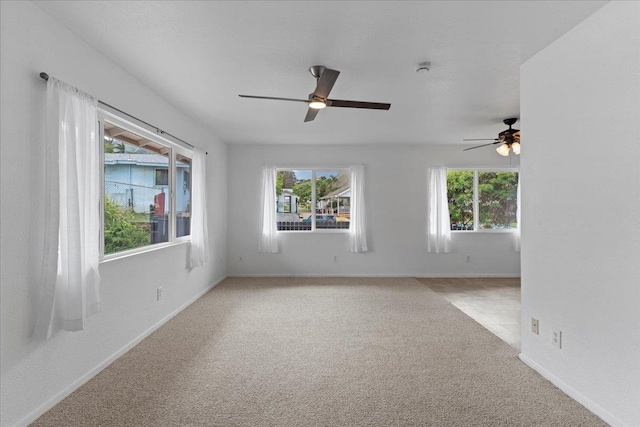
{"x": 287, "y": 204}
{"x": 146, "y": 187}
{"x": 310, "y": 199}
{"x": 482, "y": 199}
{"x": 186, "y": 177}
{"x": 162, "y": 176}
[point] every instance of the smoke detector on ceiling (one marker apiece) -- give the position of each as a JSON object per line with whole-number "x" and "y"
{"x": 423, "y": 67}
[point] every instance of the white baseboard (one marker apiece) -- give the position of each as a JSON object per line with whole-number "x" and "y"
{"x": 38, "y": 412}
{"x": 467, "y": 276}
{"x": 573, "y": 393}
{"x": 420, "y": 276}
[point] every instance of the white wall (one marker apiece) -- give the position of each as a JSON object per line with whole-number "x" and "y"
{"x": 580, "y": 103}
{"x": 34, "y": 372}
{"x": 395, "y": 180}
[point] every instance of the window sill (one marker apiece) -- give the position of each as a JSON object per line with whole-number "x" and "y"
{"x": 505, "y": 231}
{"x": 132, "y": 252}
{"x": 317, "y": 231}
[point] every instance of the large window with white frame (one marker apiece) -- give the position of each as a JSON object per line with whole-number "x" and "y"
{"x": 482, "y": 199}
{"x": 313, "y": 199}
{"x": 146, "y": 185}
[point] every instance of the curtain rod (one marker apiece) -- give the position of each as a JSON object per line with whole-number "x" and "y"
{"x": 45, "y": 76}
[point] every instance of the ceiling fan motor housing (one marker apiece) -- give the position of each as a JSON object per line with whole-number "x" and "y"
{"x": 510, "y": 135}
{"x": 314, "y": 97}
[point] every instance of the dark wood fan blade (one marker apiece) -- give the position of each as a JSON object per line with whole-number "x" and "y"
{"x": 326, "y": 82}
{"x": 311, "y": 114}
{"x": 358, "y": 104}
{"x": 274, "y": 99}
{"x": 481, "y": 139}
{"x": 483, "y": 145}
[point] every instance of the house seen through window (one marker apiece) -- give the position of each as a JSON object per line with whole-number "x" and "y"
{"x": 310, "y": 199}
{"x": 482, "y": 200}
{"x": 138, "y": 207}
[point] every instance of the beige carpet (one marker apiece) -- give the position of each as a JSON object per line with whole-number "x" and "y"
{"x": 320, "y": 352}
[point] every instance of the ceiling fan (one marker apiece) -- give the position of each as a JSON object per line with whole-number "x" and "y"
{"x": 509, "y": 139}
{"x": 325, "y": 78}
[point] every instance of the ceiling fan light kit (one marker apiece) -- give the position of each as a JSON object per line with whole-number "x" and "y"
{"x": 503, "y": 150}
{"x": 317, "y": 104}
{"x": 325, "y": 79}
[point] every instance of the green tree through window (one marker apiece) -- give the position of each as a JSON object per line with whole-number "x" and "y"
{"x": 460, "y": 197}
{"x": 121, "y": 230}
{"x": 497, "y": 199}
{"x": 494, "y": 192}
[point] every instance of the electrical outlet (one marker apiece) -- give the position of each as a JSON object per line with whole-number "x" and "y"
{"x": 556, "y": 338}
{"x": 240, "y": 259}
{"x": 467, "y": 258}
{"x": 335, "y": 259}
{"x": 535, "y": 326}
{"x": 159, "y": 293}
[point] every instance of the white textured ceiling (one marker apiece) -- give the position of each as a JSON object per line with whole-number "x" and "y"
{"x": 201, "y": 55}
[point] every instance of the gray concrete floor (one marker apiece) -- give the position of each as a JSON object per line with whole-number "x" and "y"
{"x": 492, "y": 302}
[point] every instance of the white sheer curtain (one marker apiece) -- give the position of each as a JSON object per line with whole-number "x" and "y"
{"x": 438, "y": 223}
{"x": 357, "y": 230}
{"x": 199, "y": 253}
{"x": 269, "y": 232}
{"x": 70, "y": 287}
{"x": 516, "y": 236}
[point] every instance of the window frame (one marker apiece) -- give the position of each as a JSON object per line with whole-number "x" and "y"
{"x": 105, "y": 115}
{"x": 314, "y": 170}
{"x": 476, "y": 212}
